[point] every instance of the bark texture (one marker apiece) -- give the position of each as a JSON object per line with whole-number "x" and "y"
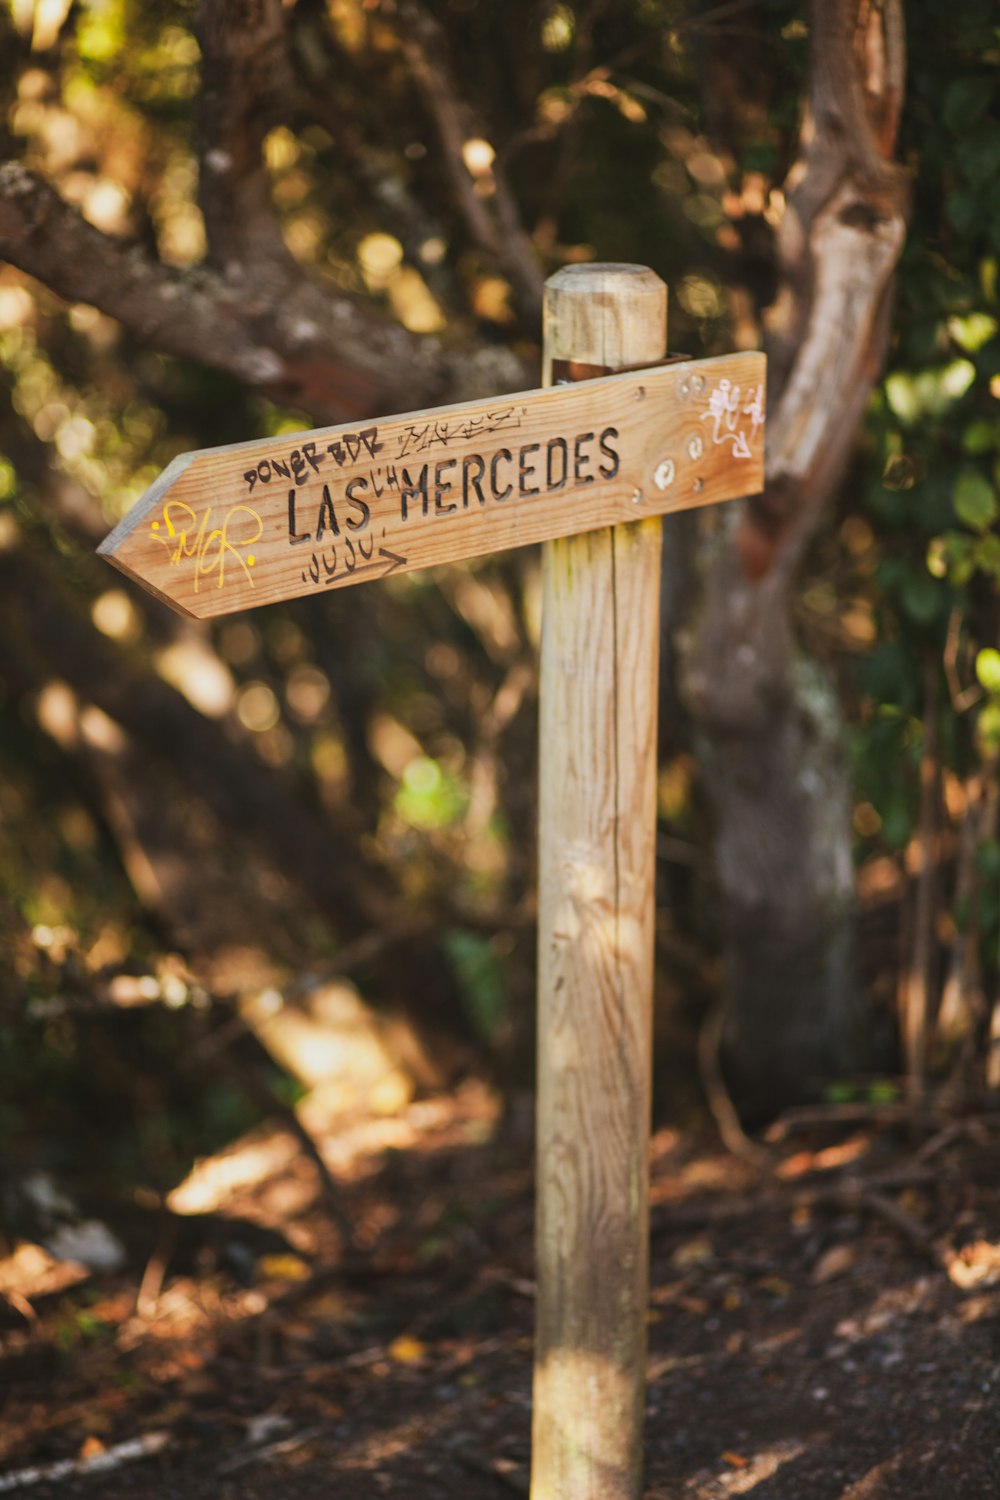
{"x": 769, "y": 719}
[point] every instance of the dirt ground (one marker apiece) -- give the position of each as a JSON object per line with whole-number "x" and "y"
{"x": 828, "y": 1328}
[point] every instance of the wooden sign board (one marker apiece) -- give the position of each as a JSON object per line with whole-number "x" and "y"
{"x": 225, "y": 529}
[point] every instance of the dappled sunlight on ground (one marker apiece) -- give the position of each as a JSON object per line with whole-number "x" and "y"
{"x": 800, "y": 1342}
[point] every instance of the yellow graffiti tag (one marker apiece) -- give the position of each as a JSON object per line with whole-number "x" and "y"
{"x": 184, "y": 535}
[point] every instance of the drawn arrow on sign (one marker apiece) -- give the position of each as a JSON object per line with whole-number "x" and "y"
{"x": 395, "y": 561}
{"x": 225, "y": 529}
{"x": 351, "y": 575}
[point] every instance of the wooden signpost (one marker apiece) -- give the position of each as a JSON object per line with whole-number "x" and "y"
{"x": 586, "y": 469}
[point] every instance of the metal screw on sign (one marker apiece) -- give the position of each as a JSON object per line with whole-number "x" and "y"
{"x": 226, "y": 529}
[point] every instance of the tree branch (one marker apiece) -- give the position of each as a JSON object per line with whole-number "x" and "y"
{"x": 838, "y": 245}
{"x": 485, "y": 199}
{"x": 246, "y": 87}
{"x": 252, "y": 311}
{"x": 324, "y": 352}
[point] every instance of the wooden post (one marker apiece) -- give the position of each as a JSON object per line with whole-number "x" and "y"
{"x": 597, "y": 812}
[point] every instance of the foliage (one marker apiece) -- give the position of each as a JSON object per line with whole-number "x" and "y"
{"x": 932, "y": 477}
{"x": 403, "y": 718}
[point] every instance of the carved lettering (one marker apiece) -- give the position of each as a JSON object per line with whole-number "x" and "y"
{"x": 295, "y": 536}
{"x": 443, "y": 486}
{"x": 499, "y": 494}
{"x": 361, "y": 506}
{"x": 410, "y": 490}
{"x": 327, "y": 516}
{"x": 610, "y": 469}
{"x": 472, "y": 481}
{"x": 581, "y": 460}
{"x": 525, "y": 471}
{"x": 556, "y": 454}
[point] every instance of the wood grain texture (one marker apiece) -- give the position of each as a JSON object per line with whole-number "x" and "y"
{"x": 600, "y": 639}
{"x": 229, "y": 528}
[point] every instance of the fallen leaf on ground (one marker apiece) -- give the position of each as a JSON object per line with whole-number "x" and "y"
{"x": 692, "y": 1253}
{"x": 977, "y": 1264}
{"x": 833, "y": 1263}
{"x": 406, "y": 1350}
{"x": 282, "y": 1268}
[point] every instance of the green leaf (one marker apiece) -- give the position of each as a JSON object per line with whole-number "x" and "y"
{"x": 978, "y": 155}
{"x": 887, "y": 674}
{"x": 981, "y": 436}
{"x": 986, "y": 551}
{"x": 972, "y": 331}
{"x": 988, "y": 355}
{"x": 937, "y": 557}
{"x": 759, "y": 156}
{"x": 901, "y": 393}
{"x": 482, "y": 980}
{"x": 988, "y": 728}
{"x": 974, "y": 499}
{"x": 960, "y": 552}
{"x": 897, "y": 824}
{"x": 890, "y": 574}
{"x": 921, "y": 598}
{"x": 931, "y": 506}
{"x": 964, "y": 211}
{"x": 887, "y": 505}
{"x": 988, "y": 858}
{"x": 966, "y": 101}
{"x": 988, "y": 669}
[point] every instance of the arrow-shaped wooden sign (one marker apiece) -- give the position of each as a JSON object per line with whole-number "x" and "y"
{"x": 225, "y": 529}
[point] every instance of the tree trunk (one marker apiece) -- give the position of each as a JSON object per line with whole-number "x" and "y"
{"x": 768, "y": 719}
{"x": 779, "y": 781}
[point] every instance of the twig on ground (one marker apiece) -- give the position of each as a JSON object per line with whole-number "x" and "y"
{"x": 270, "y": 1450}
{"x": 156, "y": 1269}
{"x": 734, "y": 1137}
{"x": 858, "y": 1195}
{"x": 804, "y": 1117}
{"x": 20, "y": 1304}
{"x": 972, "y": 1129}
{"x": 504, "y": 1470}
{"x": 720, "y": 1211}
{"x": 98, "y": 1463}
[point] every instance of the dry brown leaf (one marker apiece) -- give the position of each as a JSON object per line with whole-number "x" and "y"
{"x": 691, "y": 1254}
{"x": 976, "y": 1264}
{"x": 836, "y": 1261}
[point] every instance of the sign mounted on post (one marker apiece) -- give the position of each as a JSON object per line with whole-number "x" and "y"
{"x": 226, "y": 529}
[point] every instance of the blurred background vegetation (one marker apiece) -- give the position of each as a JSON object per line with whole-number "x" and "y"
{"x": 204, "y": 825}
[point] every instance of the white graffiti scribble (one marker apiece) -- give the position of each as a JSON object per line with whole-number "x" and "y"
{"x": 725, "y": 412}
